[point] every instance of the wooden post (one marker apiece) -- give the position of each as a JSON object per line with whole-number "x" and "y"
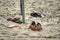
{"x": 22, "y": 10}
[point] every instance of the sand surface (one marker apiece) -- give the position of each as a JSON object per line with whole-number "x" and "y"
{"x": 50, "y": 21}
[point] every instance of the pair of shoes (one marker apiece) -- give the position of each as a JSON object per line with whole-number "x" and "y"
{"x": 36, "y": 15}
{"x": 16, "y": 20}
{"x": 35, "y": 27}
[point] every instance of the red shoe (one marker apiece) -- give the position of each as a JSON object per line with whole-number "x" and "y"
{"x": 39, "y": 28}
{"x": 33, "y": 26}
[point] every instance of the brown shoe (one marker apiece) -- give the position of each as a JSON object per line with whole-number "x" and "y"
{"x": 39, "y": 28}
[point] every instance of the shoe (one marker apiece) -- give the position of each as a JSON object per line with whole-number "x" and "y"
{"x": 39, "y": 28}
{"x": 36, "y": 14}
{"x": 16, "y": 20}
{"x": 33, "y": 26}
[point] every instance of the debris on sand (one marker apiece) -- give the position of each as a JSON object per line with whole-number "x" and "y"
{"x": 12, "y": 25}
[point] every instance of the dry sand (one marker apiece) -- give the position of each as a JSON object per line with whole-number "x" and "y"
{"x": 50, "y": 21}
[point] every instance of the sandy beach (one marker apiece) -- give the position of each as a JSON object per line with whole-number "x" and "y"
{"x": 50, "y": 20}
